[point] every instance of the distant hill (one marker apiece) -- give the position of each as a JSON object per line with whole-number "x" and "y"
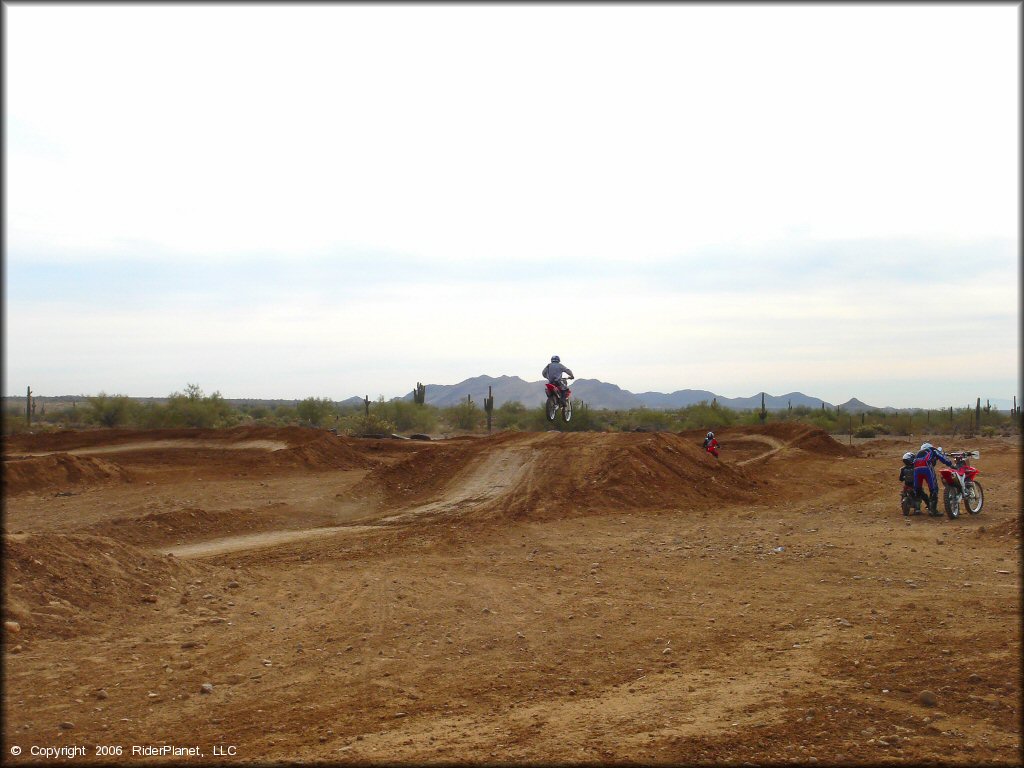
{"x": 603, "y": 395}
{"x": 594, "y": 392}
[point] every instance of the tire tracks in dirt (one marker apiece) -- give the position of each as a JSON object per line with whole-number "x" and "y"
{"x": 492, "y": 476}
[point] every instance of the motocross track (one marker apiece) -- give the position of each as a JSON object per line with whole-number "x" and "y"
{"x": 521, "y": 598}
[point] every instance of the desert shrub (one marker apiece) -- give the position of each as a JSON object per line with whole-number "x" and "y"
{"x": 467, "y": 415}
{"x": 315, "y": 411}
{"x": 191, "y": 409}
{"x": 584, "y": 419}
{"x": 647, "y": 419}
{"x": 109, "y": 410}
{"x": 407, "y": 416}
{"x": 358, "y": 423}
{"x": 865, "y": 430}
{"x": 510, "y": 415}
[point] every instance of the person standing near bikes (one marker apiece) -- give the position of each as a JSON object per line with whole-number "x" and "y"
{"x": 553, "y": 373}
{"x": 924, "y": 469}
{"x": 907, "y": 478}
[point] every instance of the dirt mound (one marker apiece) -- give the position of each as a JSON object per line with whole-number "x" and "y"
{"x": 552, "y": 475}
{"x": 223, "y": 452}
{"x": 789, "y": 434}
{"x": 625, "y": 471}
{"x": 425, "y": 470}
{"x": 1008, "y": 529}
{"x": 57, "y": 470}
{"x": 191, "y": 523}
{"x": 317, "y": 449}
{"x": 63, "y": 585}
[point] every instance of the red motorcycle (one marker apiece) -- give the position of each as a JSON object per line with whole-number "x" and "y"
{"x": 961, "y": 484}
{"x": 557, "y": 400}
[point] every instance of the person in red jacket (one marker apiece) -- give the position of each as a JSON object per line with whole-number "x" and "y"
{"x": 711, "y": 444}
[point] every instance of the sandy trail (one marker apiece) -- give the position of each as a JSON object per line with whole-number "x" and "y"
{"x": 494, "y": 476}
{"x": 263, "y": 445}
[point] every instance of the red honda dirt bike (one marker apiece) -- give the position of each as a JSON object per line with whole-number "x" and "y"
{"x": 960, "y": 484}
{"x": 558, "y": 401}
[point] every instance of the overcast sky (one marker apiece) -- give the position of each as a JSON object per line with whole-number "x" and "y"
{"x": 285, "y": 201}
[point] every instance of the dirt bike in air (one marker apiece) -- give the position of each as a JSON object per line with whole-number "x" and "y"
{"x": 960, "y": 484}
{"x": 558, "y": 400}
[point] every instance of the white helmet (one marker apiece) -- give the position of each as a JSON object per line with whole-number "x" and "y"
{"x": 926, "y": 446}
{"x": 939, "y": 449}
{"x": 908, "y": 456}
{"x": 711, "y": 434}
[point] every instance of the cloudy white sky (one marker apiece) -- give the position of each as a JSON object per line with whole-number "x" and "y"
{"x": 336, "y": 200}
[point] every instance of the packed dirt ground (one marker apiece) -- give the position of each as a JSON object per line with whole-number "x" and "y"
{"x": 291, "y": 595}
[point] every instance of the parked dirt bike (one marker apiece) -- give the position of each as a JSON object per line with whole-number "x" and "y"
{"x": 960, "y": 484}
{"x": 908, "y": 497}
{"x": 558, "y": 401}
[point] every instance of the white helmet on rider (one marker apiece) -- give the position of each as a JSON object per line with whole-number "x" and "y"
{"x": 556, "y": 359}
{"x": 908, "y": 456}
{"x": 710, "y": 435}
{"x": 939, "y": 449}
{"x": 926, "y": 446}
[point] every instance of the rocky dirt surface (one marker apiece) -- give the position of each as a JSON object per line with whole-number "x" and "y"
{"x": 290, "y": 595}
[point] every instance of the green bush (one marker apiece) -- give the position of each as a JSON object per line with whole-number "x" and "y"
{"x": 110, "y": 410}
{"x": 316, "y": 411}
{"x": 358, "y": 423}
{"x": 407, "y": 416}
{"x": 465, "y": 415}
{"x": 510, "y": 415}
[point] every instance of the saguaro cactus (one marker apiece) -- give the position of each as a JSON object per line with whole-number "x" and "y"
{"x": 764, "y": 414}
{"x": 489, "y": 407}
{"x": 419, "y": 395}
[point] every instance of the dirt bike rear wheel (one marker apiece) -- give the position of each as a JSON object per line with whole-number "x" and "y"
{"x": 975, "y": 498}
{"x": 951, "y": 500}
{"x": 567, "y": 410}
{"x": 551, "y": 408}
{"x": 905, "y": 505}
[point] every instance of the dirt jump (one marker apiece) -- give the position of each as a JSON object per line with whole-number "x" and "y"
{"x": 289, "y": 595}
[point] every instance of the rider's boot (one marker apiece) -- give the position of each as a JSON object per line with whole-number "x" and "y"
{"x": 933, "y": 504}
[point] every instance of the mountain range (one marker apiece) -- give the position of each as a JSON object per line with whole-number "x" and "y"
{"x": 603, "y": 395}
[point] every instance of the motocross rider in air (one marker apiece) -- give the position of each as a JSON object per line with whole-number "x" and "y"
{"x": 553, "y": 373}
{"x": 924, "y": 469}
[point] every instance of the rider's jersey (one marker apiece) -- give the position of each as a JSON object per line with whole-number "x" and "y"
{"x": 926, "y": 459}
{"x": 553, "y": 372}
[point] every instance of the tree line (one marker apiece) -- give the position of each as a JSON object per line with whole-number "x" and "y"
{"x": 194, "y": 408}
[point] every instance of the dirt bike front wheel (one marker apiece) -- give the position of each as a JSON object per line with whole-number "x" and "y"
{"x": 951, "y": 500}
{"x": 567, "y": 410}
{"x": 551, "y": 408}
{"x": 975, "y": 498}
